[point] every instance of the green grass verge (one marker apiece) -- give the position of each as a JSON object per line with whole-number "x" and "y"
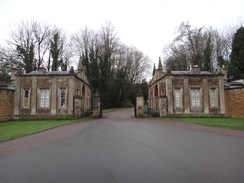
{"x": 14, "y": 129}
{"x": 229, "y": 123}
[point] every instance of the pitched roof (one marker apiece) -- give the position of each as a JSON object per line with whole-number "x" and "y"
{"x": 49, "y": 73}
{"x": 190, "y": 73}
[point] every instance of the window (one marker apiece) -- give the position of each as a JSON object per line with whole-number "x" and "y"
{"x": 156, "y": 91}
{"x": 195, "y": 97}
{"x": 213, "y": 97}
{"x": 26, "y": 98}
{"x": 177, "y": 97}
{"x": 83, "y": 91}
{"x": 163, "y": 91}
{"x": 62, "y": 97}
{"x": 77, "y": 92}
{"x": 44, "y": 98}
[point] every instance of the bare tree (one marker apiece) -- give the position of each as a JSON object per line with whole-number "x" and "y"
{"x": 60, "y": 51}
{"x": 8, "y": 58}
{"x": 86, "y": 43}
{"x": 42, "y": 33}
{"x": 200, "y": 46}
{"x": 30, "y": 40}
{"x": 113, "y": 68}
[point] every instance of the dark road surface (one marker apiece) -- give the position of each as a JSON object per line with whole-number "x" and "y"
{"x": 118, "y": 148}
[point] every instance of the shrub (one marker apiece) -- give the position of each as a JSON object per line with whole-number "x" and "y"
{"x": 155, "y": 114}
{"x": 127, "y": 103}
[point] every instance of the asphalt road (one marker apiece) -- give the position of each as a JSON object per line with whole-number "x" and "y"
{"x": 118, "y": 148}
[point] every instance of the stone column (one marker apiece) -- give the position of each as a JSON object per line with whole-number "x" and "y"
{"x": 205, "y": 96}
{"x": 97, "y": 111}
{"x": 186, "y": 96}
{"x": 139, "y": 106}
{"x": 163, "y": 105}
{"x": 54, "y": 96}
{"x": 78, "y": 112}
{"x": 17, "y": 96}
{"x": 169, "y": 94}
{"x": 71, "y": 95}
{"x": 221, "y": 95}
{"x": 153, "y": 100}
{"x": 34, "y": 98}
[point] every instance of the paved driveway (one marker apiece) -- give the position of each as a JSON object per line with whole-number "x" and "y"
{"x": 119, "y": 148}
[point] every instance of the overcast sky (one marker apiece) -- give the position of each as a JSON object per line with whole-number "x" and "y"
{"x": 148, "y": 25}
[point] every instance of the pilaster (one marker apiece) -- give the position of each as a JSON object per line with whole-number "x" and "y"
{"x": 54, "y": 96}
{"x": 186, "y": 96}
{"x": 221, "y": 95}
{"x": 17, "y": 96}
{"x": 34, "y": 95}
{"x": 169, "y": 94}
{"x": 205, "y": 96}
{"x": 97, "y": 111}
{"x": 139, "y": 106}
{"x": 70, "y": 94}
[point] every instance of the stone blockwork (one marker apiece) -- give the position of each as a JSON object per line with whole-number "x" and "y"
{"x": 234, "y": 102}
{"x": 6, "y": 104}
{"x": 139, "y": 106}
{"x": 97, "y": 111}
{"x": 193, "y": 92}
{"x": 47, "y": 94}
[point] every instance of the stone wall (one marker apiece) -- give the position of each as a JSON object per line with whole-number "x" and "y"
{"x": 234, "y": 102}
{"x": 6, "y": 104}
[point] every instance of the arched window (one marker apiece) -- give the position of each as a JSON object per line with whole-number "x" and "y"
{"x": 162, "y": 91}
{"x": 77, "y": 92}
{"x": 83, "y": 91}
{"x": 62, "y": 97}
{"x": 26, "y": 93}
{"x": 156, "y": 91}
{"x": 195, "y": 97}
{"x": 26, "y": 98}
{"x": 213, "y": 97}
{"x": 44, "y": 98}
{"x": 178, "y": 97}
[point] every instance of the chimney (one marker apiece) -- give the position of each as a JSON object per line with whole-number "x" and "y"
{"x": 72, "y": 70}
{"x": 42, "y": 68}
{"x": 196, "y": 69}
{"x": 13, "y": 73}
{"x": 80, "y": 68}
{"x": 224, "y": 71}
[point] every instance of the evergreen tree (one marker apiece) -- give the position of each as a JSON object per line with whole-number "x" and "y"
{"x": 237, "y": 55}
{"x": 55, "y": 49}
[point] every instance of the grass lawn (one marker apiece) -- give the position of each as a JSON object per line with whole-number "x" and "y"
{"x": 14, "y": 129}
{"x": 110, "y": 110}
{"x": 230, "y": 123}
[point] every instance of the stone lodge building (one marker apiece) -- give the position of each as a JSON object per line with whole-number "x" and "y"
{"x": 52, "y": 93}
{"x": 186, "y": 92}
